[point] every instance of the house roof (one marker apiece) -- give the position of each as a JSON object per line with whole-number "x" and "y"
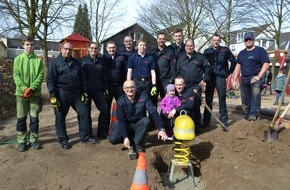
{"x": 284, "y": 42}
{"x": 256, "y": 30}
{"x": 17, "y": 43}
{"x": 171, "y": 29}
{"x": 107, "y": 39}
{"x": 75, "y": 37}
{"x": 128, "y": 28}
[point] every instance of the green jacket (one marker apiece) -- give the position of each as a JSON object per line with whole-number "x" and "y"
{"x": 28, "y": 72}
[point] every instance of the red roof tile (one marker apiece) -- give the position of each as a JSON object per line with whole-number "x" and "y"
{"x": 75, "y": 37}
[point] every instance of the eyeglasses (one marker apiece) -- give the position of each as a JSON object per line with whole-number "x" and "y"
{"x": 29, "y": 44}
{"x": 67, "y": 49}
{"x": 129, "y": 87}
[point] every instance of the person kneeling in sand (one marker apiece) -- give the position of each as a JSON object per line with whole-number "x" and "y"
{"x": 132, "y": 121}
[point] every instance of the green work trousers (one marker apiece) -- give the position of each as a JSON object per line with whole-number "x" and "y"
{"x": 32, "y": 106}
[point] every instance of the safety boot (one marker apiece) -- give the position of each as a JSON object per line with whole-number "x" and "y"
{"x": 22, "y": 147}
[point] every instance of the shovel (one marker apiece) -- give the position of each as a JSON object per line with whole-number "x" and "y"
{"x": 272, "y": 135}
{"x": 211, "y": 112}
{"x": 131, "y": 154}
{"x": 278, "y": 121}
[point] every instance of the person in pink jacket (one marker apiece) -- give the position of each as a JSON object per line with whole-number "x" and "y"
{"x": 168, "y": 103}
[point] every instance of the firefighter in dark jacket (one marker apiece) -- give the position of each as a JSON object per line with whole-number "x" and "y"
{"x": 67, "y": 87}
{"x": 129, "y": 48}
{"x": 178, "y": 45}
{"x": 195, "y": 70}
{"x": 95, "y": 74}
{"x": 187, "y": 98}
{"x": 116, "y": 68}
{"x": 218, "y": 57}
{"x": 132, "y": 121}
{"x": 116, "y": 72}
{"x": 165, "y": 67}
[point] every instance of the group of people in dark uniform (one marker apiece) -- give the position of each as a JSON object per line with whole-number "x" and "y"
{"x": 147, "y": 73}
{"x": 136, "y": 79}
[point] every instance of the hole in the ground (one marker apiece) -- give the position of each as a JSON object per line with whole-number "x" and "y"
{"x": 181, "y": 176}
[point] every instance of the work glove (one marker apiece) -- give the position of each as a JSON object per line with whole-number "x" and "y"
{"x": 106, "y": 93}
{"x": 255, "y": 79}
{"x": 54, "y": 103}
{"x": 27, "y": 93}
{"x": 85, "y": 98}
{"x": 153, "y": 91}
{"x": 126, "y": 142}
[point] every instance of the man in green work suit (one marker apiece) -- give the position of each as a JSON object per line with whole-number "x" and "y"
{"x": 28, "y": 76}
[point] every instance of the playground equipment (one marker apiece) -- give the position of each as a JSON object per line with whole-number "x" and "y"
{"x": 183, "y": 133}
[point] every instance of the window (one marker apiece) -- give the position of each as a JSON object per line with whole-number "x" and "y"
{"x": 240, "y": 37}
{"x": 264, "y": 43}
{"x": 132, "y": 35}
{"x": 136, "y": 36}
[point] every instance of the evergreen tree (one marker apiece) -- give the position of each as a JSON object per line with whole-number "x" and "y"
{"x": 77, "y": 25}
{"x": 82, "y": 22}
{"x": 86, "y": 23}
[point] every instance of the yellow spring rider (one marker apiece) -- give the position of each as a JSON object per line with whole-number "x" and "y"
{"x": 184, "y": 132}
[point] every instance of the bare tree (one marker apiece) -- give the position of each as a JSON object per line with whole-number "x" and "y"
{"x": 273, "y": 12}
{"x": 223, "y": 15}
{"x": 156, "y": 16}
{"x": 103, "y": 15}
{"x": 198, "y": 18}
{"x": 57, "y": 12}
{"x": 36, "y": 18}
{"x": 190, "y": 15}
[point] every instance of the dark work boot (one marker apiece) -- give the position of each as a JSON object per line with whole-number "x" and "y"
{"x": 65, "y": 145}
{"x": 205, "y": 124}
{"x": 22, "y": 147}
{"x": 36, "y": 145}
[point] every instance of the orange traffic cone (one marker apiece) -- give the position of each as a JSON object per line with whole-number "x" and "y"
{"x": 114, "y": 120}
{"x": 140, "y": 181}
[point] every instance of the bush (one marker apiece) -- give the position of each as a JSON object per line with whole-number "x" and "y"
{"x": 7, "y": 105}
{"x": 7, "y": 89}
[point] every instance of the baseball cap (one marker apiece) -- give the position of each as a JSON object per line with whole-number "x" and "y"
{"x": 249, "y": 35}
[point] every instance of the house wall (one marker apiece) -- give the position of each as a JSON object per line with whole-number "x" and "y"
{"x": 135, "y": 29}
{"x": 236, "y": 48}
{"x": 199, "y": 44}
{"x": 15, "y": 48}
{"x": 12, "y": 53}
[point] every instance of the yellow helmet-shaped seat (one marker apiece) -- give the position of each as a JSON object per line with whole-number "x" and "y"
{"x": 184, "y": 127}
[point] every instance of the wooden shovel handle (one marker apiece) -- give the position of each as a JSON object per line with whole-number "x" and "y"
{"x": 285, "y": 111}
{"x": 210, "y": 111}
{"x": 280, "y": 101}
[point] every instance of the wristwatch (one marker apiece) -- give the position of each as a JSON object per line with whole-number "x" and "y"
{"x": 162, "y": 129}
